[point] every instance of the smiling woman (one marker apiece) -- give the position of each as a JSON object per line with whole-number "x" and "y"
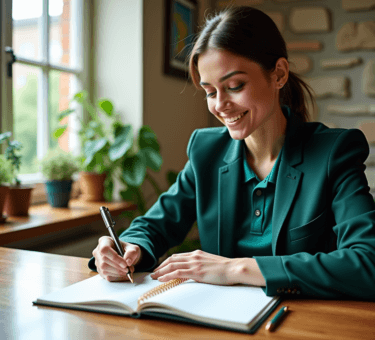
{"x": 280, "y": 202}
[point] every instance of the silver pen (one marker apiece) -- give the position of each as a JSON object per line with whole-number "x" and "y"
{"x": 109, "y": 223}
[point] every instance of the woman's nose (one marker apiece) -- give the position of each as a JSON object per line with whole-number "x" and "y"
{"x": 222, "y": 102}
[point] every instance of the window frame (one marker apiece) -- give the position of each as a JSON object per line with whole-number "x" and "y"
{"x": 82, "y": 73}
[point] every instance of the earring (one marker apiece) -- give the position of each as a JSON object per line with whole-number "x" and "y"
{"x": 281, "y": 85}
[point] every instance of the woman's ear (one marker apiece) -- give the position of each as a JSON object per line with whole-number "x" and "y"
{"x": 281, "y": 71}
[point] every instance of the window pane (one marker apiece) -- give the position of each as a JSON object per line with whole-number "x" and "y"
{"x": 25, "y": 87}
{"x": 59, "y": 94}
{"x": 61, "y": 29}
{"x": 27, "y": 28}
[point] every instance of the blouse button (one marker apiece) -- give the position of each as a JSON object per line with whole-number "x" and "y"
{"x": 257, "y": 213}
{"x": 258, "y": 192}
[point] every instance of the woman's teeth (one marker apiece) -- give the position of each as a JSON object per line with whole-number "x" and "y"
{"x": 231, "y": 120}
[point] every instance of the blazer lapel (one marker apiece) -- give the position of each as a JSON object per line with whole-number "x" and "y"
{"x": 288, "y": 177}
{"x": 229, "y": 198}
{"x": 286, "y": 186}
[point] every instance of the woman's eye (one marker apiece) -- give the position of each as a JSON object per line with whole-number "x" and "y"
{"x": 233, "y": 89}
{"x": 237, "y": 88}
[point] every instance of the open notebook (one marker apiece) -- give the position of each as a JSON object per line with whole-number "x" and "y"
{"x": 242, "y": 308}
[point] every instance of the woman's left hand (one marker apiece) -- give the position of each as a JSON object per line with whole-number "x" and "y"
{"x": 197, "y": 265}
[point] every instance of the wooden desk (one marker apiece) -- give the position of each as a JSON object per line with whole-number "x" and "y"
{"x": 43, "y": 219}
{"x": 27, "y": 275}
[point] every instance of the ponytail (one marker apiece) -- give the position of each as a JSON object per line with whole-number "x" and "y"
{"x": 296, "y": 94}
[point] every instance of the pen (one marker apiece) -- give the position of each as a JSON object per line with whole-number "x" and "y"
{"x": 109, "y": 223}
{"x": 273, "y": 323}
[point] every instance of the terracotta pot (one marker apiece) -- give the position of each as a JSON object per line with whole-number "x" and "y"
{"x": 3, "y": 195}
{"x": 18, "y": 201}
{"x": 92, "y": 186}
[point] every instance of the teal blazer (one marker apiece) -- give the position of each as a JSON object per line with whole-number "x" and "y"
{"x": 323, "y": 223}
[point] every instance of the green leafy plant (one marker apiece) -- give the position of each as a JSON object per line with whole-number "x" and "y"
{"x": 58, "y": 165}
{"x": 111, "y": 147}
{"x": 12, "y": 155}
{"x": 5, "y": 170}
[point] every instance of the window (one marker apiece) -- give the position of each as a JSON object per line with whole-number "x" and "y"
{"x": 47, "y": 39}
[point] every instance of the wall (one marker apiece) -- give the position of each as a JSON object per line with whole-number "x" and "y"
{"x": 128, "y": 50}
{"x": 117, "y": 56}
{"x": 172, "y": 106}
{"x": 338, "y": 17}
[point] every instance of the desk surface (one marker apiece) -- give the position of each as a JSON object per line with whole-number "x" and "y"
{"x": 44, "y": 219}
{"x": 27, "y": 275}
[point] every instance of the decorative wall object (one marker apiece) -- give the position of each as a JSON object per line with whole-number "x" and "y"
{"x": 358, "y": 5}
{"x": 368, "y": 79}
{"x": 330, "y": 86}
{"x": 368, "y": 128}
{"x": 305, "y": 45}
{"x": 340, "y": 62}
{"x": 278, "y": 19}
{"x": 352, "y": 110}
{"x": 180, "y": 27}
{"x": 299, "y": 63}
{"x": 356, "y": 36}
{"x": 309, "y": 20}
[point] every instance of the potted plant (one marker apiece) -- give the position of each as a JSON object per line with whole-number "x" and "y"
{"x": 5, "y": 177}
{"x": 110, "y": 148}
{"x": 18, "y": 200}
{"x": 58, "y": 168}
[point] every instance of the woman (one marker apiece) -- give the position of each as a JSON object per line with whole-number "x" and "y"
{"x": 279, "y": 202}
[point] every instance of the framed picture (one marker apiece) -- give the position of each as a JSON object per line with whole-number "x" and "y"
{"x": 180, "y": 30}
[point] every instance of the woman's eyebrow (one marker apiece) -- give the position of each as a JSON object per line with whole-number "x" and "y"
{"x": 225, "y": 77}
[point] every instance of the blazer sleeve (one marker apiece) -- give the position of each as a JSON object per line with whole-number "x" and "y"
{"x": 167, "y": 222}
{"x": 349, "y": 271}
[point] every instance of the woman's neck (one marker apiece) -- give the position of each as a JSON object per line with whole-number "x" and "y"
{"x": 265, "y": 143}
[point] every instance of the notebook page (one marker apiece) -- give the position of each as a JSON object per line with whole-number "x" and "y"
{"x": 237, "y": 304}
{"x": 96, "y": 289}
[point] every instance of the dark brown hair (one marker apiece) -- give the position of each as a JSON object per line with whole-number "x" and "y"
{"x": 248, "y": 32}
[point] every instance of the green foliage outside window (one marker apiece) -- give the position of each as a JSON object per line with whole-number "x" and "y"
{"x": 25, "y": 104}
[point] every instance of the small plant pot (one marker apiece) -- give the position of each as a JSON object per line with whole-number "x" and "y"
{"x": 3, "y": 195}
{"x": 18, "y": 201}
{"x": 92, "y": 186}
{"x": 58, "y": 193}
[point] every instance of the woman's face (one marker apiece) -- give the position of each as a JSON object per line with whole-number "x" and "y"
{"x": 238, "y": 94}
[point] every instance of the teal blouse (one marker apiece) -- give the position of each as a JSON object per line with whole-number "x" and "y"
{"x": 255, "y": 233}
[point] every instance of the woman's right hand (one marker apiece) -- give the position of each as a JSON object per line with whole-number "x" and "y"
{"x": 110, "y": 265}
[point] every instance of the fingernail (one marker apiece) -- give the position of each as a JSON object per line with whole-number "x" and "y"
{"x": 129, "y": 262}
{"x": 122, "y": 265}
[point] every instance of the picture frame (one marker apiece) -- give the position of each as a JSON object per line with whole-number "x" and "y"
{"x": 180, "y": 28}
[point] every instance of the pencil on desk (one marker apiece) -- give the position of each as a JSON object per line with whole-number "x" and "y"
{"x": 275, "y": 321}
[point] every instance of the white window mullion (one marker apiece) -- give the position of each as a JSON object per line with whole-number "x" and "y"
{"x": 43, "y": 88}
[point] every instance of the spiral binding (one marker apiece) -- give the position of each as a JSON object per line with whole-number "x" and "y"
{"x": 160, "y": 289}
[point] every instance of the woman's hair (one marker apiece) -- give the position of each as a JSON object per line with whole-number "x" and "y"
{"x": 248, "y": 32}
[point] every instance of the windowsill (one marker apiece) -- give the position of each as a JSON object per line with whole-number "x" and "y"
{"x": 44, "y": 220}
